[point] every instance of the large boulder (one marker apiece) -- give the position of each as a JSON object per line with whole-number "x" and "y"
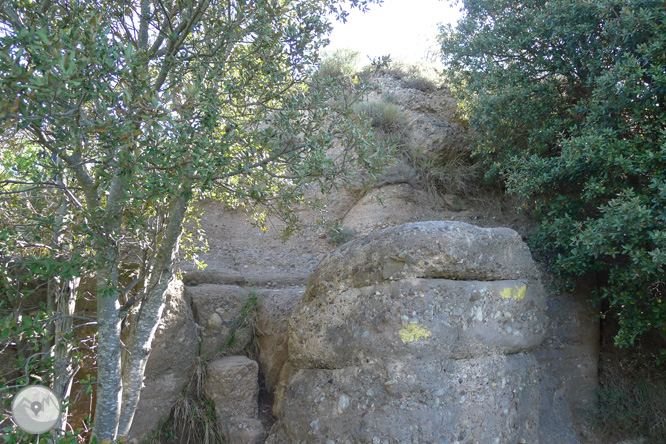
{"x": 418, "y": 333}
{"x": 273, "y": 311}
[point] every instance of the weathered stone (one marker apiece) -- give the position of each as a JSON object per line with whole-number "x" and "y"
{"x": 568, "y": 365}
{"x": 232, "y": 384}
{"x": 273, "y": 311}
{"x": 245, "y": 431}
{"x": 215, "y": 307}
{"x": 384, "y": 207}
{"x": 170, "y": 363}
{"x": 418, "y": 333}
{"x": 429, "y": 250}
{"x": 404, "y": 401}
{"x": 461, "y": 319}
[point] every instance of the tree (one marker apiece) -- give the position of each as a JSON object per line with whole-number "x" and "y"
{"x": 567, "y": 99}
{"x": 116, "y": 115}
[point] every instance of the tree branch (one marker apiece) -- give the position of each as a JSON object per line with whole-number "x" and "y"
{"x": 174, "y": 45}
{"x": 144, "y": 23}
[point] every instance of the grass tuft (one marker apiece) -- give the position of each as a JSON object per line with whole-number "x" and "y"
{"x": 339, "y": 236}
{"x": 385, "y": 116}
{"x": 443, "y": 172}
{"x": 628, "y": 407}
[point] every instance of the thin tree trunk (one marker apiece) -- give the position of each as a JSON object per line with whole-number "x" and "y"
{"x": 64, "y": 370}
{"x": 109, "y": 365}
{"x": 143, "y": 327}
{"x": 109, "y": 382}
{"x": 61, "y": 301}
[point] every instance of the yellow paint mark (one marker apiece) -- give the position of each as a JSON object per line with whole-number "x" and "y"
{"x": 517, "y": 293}
{"x": 414, "y": 332}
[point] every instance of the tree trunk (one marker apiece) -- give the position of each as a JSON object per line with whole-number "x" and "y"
{"x": 143, "y": 327}
{"x": 61, "y": 302}
{"x": 64, "y": 370}
{"x": 109, "y": 382}
{"x": 109, "y": 366}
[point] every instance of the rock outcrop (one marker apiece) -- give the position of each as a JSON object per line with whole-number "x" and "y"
{"x": 417, "y": 333}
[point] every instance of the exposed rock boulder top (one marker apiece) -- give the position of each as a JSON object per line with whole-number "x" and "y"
{"x": 428, "y": 250}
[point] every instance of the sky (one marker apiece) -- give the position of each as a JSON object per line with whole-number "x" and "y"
{"x": 405, "y": 29}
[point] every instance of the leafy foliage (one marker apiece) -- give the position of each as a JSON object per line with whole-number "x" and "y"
{"x": 567, "y": 99}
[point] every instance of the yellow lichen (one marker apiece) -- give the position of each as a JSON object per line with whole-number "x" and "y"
{"x": 414, "y": 332}
{"x": 517, "y": 293}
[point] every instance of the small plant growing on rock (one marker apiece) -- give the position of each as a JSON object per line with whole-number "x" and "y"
{"x": 385, "y": 116}
{"x": 338, "y": 235}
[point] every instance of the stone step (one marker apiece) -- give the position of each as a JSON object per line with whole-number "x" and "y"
{"x": 252, "y": 279}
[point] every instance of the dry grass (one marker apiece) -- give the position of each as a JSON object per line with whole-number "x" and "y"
{"x": 631, "y": 400}
{"x": 193, "y": 419}
{"x": 631, "y": 408}
{"x": 384, "y": 116}
{"x": 443, "y": 172}
{"x": 338, "y": 235}
{"x": 415, "y": 76}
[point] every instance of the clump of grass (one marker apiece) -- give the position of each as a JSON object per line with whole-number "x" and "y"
{"x": 385, "y": 116}
{"x": 399, "y": 172}
{"x": 443, "y": 172}
{"x": 389, "y": 97}
{"x": 420, "y": 82}
{"x": 625, "y": 411}
{"x": 416, "y": 76}
{"x": 631, "y": 401}
{"x": 339, "y": 236}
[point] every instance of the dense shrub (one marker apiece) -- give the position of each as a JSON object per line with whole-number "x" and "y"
{"x": 567, "y": 100}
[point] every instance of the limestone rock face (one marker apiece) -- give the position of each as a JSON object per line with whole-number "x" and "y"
{"x": 418, "y": 333}
{"x": 170, "y": 363}
{"x": 232, "y": 384}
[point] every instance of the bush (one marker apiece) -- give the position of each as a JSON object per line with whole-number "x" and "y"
{"x": 340, "y": 63}
{"x": 626, "y": 409}
{"x": 567, "y": 101}
{"x": 416, "y": 76}
{"x": 338, "y": 235}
